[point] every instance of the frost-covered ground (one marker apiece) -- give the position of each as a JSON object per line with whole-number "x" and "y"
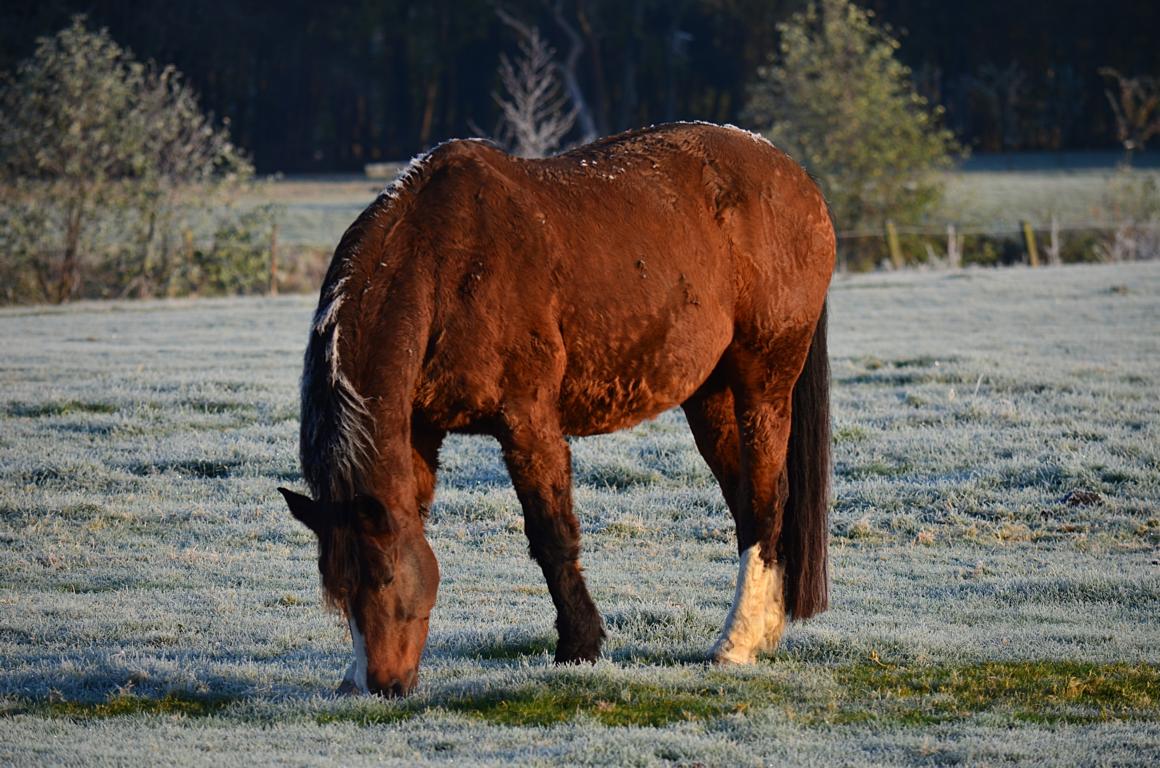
{"x": 996, "y": 586}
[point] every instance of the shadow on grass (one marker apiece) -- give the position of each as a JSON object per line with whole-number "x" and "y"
{"x": 508, "y": 648}
{"x": 1040, "y": 692}
{"x": 58, "y": 408}
{"x": 120, "y": 705}
{"x": 200, "y": 468}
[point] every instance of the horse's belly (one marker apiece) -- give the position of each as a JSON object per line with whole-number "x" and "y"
{"x": 613, "y": 382}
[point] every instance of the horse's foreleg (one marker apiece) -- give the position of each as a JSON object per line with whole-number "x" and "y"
{"x": 757, "y": 619}
{"x": 425, "y": 442}
{"x": 539, "y": 463}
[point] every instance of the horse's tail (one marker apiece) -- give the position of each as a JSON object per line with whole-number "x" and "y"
{"x": 804, "y": 533}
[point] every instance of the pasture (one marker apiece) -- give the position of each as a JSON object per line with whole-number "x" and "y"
{"x": 995, "y": 552}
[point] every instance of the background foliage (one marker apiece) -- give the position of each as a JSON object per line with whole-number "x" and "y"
{"x": 312, "y": 86}
{"x": 839, "y": 101}
{"x": 109, "y": 173}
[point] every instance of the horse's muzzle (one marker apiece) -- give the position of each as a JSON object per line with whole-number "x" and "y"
{"x": 394, "y": 687}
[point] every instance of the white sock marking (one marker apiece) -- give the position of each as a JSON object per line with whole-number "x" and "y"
{"x": 757, "y": 618}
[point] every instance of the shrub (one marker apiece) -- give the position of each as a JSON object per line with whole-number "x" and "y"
{"x": 837, "y": 99}
{"x": 104, "y": 161}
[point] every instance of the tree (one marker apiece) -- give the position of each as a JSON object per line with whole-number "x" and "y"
{"x": 534, "y": 116}
{"x": 93, "y": 138}
{"x": 1136, "y": 105}
{"x": 836, "y": 97}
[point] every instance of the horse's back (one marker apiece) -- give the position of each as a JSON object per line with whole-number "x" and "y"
{"x": 617, "y": 275}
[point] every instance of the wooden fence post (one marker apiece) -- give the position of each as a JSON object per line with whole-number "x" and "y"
{"x": 274, "y": 260}
{"x": 1029, "y": 241}
{"x": 954, "y": 257}
{"x": 892, "y": 244}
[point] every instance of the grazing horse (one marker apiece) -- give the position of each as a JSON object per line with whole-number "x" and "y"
{"x": 529, "y": 300}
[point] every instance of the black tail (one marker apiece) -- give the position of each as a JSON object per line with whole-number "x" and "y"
{"x": 805, "y": 527}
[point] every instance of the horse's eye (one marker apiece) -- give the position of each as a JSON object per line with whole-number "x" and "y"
{"x": 380, "y": 571}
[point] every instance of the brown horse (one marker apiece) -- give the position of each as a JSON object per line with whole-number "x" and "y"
{"x": 529, "y": 300}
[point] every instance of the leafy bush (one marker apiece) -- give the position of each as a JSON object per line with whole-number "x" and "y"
{"x": 836, "y": 98}
{"x": 238, "y": 261}
{"x": 105, "y": 164}
{"x": 1133, "y": 201}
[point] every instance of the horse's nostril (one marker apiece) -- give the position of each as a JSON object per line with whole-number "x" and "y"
{"x": 397, "y": 689}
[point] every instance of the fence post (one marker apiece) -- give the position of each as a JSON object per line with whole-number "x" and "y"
{"x": 954, "y": 258}
{"x": 892, "y": 244}
{"x": 1053, "y": 255}
{"x": 274, "y": 260}
{"x": 1029, "y": 241}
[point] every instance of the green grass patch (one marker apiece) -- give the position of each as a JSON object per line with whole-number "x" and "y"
{"x": 1046, "y": 692}
{"x": 202, "y": 468}
{"x": 123, "y": 705}
{"x": 611, "y": 705}
{"x": 561, "y": 698}
{"x": 850, "y": 433}
{"x": 1041, "y": 692}
{"x": 217, "y": 406}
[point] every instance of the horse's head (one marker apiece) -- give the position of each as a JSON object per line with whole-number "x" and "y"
{"x": 383, "y": 576}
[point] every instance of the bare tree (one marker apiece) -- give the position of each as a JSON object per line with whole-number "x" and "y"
{"x": 567, "y": 69}
{"x": 1136, "y": 105}
{"x": 1000, "y": 92}
{"x": 535, "y": 114}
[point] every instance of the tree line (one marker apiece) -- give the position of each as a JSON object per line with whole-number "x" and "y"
{"x": 329, "y": 87}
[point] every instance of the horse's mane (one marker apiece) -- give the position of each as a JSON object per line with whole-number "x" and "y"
{"x": 336, "y": 445}
{"x": 335, "y": 442}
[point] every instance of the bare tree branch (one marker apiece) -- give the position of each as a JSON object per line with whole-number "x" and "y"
{"x": 535, "y": 115}
{"x": 1136, "y": 107}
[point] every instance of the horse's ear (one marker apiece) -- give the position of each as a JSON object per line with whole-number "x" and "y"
{"x": 304, "y": 509}
{"x": 373, "y": 516}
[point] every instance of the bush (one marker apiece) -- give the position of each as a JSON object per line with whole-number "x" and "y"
{"x": 837, "y": 99}
{"x": 1132, "y": 201}
{"x": 104, "y": 163}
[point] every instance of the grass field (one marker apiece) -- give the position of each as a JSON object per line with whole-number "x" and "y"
{"x": 995, "y": 555}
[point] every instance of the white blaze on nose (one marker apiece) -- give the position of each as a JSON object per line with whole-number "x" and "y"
{"x": 757, "y": 618}
{"x": 357, "y": 674}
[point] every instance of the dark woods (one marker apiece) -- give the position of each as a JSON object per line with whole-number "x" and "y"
{"x": 325, "y": 86}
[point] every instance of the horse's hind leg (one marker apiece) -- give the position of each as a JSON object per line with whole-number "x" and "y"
{"x": 742, "y": 431}
{"x": 539, "y": 463}
{"x": 713, "y": 423}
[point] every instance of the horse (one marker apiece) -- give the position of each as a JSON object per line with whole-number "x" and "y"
{"x": 531, "y": 300}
